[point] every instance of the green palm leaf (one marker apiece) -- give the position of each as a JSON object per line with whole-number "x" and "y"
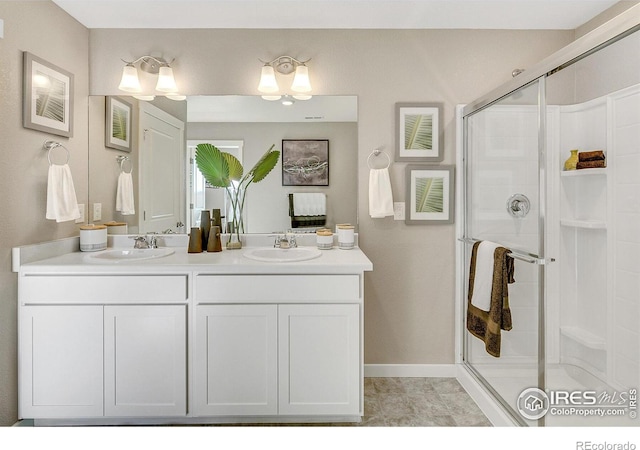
{"x": 265, "y": 165}
{"x": 50, "y": 100}
{"x": 418, "y": 132}
{"x": 429, "y": 195}
{"x": 119, "y": 121}
{"x": 213, "y": 165}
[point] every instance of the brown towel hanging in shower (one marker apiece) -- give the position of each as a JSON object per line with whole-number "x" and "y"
{"x": 486, "y": 325}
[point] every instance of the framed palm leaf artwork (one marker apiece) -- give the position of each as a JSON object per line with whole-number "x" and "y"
{"x": 47, "y": 97}
{"x": 118, "y": 124}
{"x": 419, "y": 132}
{"x": 429, "y": 194}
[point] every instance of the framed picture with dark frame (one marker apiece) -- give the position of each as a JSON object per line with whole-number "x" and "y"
{"x": 305, "y": 162}
{"x": 419, "y": 132}
{"x": 117, "y": 127}
{"x": 429, "y": 194}
{"x": 47, "y": 97}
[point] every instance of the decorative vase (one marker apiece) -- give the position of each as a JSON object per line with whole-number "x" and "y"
{"x": 235, "y": 220}
{"x": 572, "y": 161}
{"x": 205, "y": 226}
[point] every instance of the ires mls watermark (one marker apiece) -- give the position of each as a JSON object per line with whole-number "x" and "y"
{"x": 534, "y": 403}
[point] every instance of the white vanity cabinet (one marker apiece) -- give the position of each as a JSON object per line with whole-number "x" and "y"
{"x": 189, "y": 338}
{"x": 61, "y": 361}
{"x": 102, "y": 346}
{"x": 286, "y": 345}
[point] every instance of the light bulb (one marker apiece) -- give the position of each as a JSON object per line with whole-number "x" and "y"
{"x": 166, "y": 82}
{"x": 268, "y": 83}
{"x": 129, "y": 81}
{"x": 301, "y": 81}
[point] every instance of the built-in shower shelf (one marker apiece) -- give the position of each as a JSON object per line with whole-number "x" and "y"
{"x": 583, "y": 172}
{"x": 583, "y": 337}
{"x": 590, "y": 224}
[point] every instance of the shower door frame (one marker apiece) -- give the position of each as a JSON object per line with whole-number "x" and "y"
{"x": 537, "y": 259}
{"x": 617, "y": 28}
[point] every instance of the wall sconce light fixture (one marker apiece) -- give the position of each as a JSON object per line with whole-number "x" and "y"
{"x": 285, "y": 65}
{"x": 166, "y": 83}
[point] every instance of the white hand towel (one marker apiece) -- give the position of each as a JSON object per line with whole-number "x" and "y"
{"x": 309, "y": 204}
{"x": 124, "y": 195}
{"x": 380, "y": 194}
{"x": 62, "y": 204}
{"x": 483, "y": 280}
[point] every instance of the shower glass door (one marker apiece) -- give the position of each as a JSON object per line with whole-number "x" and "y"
{"x": 502, "y": 166}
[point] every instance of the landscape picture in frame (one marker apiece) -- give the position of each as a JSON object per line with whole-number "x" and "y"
{"x": 419, "y": 132}
{"x": 305, "y": 162}
{"x": 47, "y": 97}
{"x": 118, "y": 124}
{"x": 429, "y": 194}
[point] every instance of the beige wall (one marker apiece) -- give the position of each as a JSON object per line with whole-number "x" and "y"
{"x": 43, "y": 29}
{"x": 409, "y": 301}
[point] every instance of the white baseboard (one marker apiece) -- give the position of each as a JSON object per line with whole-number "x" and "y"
{"x": 410, "y": 370}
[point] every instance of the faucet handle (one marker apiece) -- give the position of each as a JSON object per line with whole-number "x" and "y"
{"x": 141, "y": 242}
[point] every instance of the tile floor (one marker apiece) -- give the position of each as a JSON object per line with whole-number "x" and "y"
{"x": 413, "y": 402}
{"x": 419, "y": 402}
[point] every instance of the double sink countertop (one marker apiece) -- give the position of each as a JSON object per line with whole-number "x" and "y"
{"x": 64, "y": 257}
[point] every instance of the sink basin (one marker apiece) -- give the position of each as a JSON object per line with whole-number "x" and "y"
{"x": 271, "y": 254}
{"x": 133, "y": 254}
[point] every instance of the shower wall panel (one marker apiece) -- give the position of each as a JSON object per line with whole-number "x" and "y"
{"x": 625, "y": 141}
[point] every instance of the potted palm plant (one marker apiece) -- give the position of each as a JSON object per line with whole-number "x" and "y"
{"x": 223, "y": 170}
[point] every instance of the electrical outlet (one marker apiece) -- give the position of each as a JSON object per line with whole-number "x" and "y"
{"x": 81, "y": 209}
{"x": 97, "y": 211}
{"x": 398, "y": 210}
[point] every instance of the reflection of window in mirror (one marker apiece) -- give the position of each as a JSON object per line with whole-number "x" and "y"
{"x": 201, "y": 198}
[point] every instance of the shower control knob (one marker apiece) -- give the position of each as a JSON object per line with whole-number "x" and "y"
{"x": 518, "y": 205}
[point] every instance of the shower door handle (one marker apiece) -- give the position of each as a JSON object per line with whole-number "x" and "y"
{"x": 518, "y": 205}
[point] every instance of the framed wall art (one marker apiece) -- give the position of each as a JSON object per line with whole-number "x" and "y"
{"x": 47, "y": 97}
{"x": 419, "y": 132}
{"x": 429, "y": 194}
{"x": 117, "y": 124}
{"x": 305, "y": 162}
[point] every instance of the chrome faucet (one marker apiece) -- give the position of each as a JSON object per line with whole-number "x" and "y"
{"x": 152, "y": 241}
{"x": 287, "y": 240}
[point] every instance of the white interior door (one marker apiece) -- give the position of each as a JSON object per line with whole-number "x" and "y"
{"x": 161, "y": 170}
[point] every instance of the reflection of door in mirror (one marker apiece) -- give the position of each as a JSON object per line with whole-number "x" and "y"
{"x": 161, "y": 152}
{"x": 200, "y": 197}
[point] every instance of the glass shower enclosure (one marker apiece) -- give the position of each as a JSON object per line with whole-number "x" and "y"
{"x": 572, "y": 357}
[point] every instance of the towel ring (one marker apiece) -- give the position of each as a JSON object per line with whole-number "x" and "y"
{"x": 377, "y": 152}
{"x": 121, "y": 160}
{"x": 49, "y": 146}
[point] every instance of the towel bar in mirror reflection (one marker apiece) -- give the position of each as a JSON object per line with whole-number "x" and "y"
{"x": 526, "y": 257}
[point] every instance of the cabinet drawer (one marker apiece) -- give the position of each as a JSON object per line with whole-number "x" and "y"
{"x": 104, "y": 289}
{"x": 277, "y": 288}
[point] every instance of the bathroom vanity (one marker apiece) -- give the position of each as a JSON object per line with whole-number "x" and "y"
{"x": 189, "y": 338}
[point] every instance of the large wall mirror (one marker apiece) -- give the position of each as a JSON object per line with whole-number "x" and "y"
{"x": 155, "y": 142}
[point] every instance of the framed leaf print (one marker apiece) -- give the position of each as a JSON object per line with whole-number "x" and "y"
{"x": 429, "y": 194}
{"x": 47, "y": 97}
{"x": 118, "y": 124}
{"x": 419, "y": 132}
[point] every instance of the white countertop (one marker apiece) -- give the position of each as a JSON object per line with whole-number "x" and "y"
{"x": 333, "y": 261}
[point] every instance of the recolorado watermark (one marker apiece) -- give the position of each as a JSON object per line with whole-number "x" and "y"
{"x": 588, "y": 445}
{"x": 534, "y": 403}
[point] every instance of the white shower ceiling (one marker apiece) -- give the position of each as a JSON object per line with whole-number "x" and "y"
{"x": 360, "y": 14}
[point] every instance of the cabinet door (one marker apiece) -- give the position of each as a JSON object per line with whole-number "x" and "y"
{"x": 145, "y": 360}
{"x": 60, "y": 361}
{"x": 236, "y": 360}
{"x": 319, "y": 359}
